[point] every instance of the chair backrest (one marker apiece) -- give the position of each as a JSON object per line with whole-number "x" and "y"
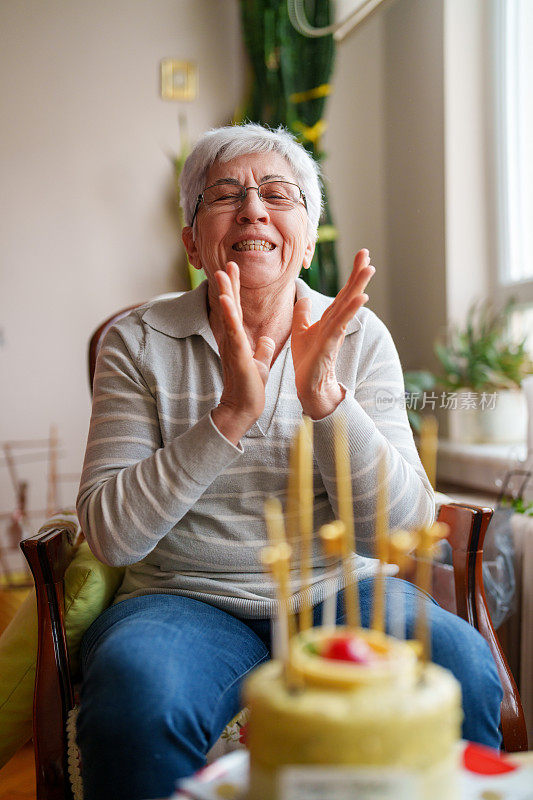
{"x": 97, "y": 337}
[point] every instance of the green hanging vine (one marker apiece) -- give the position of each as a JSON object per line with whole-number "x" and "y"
{"x": 289, "y": 85}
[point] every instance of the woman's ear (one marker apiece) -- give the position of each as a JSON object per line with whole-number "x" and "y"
{"x": 308, "y": 254}
{"x": 187, "y": 237}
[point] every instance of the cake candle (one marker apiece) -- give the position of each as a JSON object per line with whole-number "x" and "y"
{"x": 428, "y": 537}
{"x": 382, "y": 525}
{"x": 428, "y": 448}
{"x": 276, "y": 559}
{"x": 292, "y": 495}
{"x": 343, "y": 477}
{"x": 276, "y": 536}
{"x": 305, "y": 517}
{"x": 401, "y": 543}
{"x": 333, "y": 536}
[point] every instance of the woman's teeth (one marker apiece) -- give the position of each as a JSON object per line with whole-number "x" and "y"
{"x": 253, "y": 244}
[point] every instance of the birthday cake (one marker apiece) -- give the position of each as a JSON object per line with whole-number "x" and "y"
{"x": 357, "y": 715}
{"x": 345, "y": 712}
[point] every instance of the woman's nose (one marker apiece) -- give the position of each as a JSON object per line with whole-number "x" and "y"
{"x": 252, "y": 207}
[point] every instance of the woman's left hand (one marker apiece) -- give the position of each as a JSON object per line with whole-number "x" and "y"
{"x": 315, "y": 347}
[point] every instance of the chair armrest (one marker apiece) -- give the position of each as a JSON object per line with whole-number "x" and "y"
{"x": 468, "y": 526}
{"x": 49, "y": 553}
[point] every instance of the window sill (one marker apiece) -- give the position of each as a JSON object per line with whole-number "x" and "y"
{"x": 478, "y": 466}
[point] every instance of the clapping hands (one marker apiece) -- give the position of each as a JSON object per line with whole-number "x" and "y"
{"x": 245, "y": 373}
{"x": 314, "y": 352}
{"x": 315, "y": 347}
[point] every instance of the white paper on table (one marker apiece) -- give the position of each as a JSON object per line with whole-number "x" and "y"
{"x": 516, "y": 785}
{"x": 228, "y": 777}
{"x": 313, "y": 782}
{"x": 230, "y": 772}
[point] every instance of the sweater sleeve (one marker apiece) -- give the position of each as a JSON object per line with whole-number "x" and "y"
{"x": 134, "y": 489}
{"x": 377, "y": 427}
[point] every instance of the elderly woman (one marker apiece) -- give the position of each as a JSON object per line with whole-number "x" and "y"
{"x": 195, "y": 403}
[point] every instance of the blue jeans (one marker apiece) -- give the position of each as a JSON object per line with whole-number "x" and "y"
{"x": 162, "y": 676}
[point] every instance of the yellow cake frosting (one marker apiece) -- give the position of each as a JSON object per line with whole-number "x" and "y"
{"x": 389, "y": 728}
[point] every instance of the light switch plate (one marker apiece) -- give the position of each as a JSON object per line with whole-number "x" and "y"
{"x": 179, "y": 79}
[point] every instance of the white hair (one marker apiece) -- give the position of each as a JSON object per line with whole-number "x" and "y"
{"x": 225, "y": 143}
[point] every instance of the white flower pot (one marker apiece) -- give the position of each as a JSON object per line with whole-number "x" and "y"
{"x": 488, "y": 417}
{"x": 527, "y": 386}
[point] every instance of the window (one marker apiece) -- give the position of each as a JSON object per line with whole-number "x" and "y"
{"x": 513, "y": 83}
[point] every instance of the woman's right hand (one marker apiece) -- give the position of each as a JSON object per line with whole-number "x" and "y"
{"x": 245, "y": 373}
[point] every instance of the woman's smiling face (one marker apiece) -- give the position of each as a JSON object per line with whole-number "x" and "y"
{"x": 232, "y": 234}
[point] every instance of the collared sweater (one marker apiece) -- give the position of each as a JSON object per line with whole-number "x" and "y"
{"x": 166, "y": 494}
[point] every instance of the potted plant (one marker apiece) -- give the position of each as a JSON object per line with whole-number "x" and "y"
{"x": 482, "y": 368}
{"x": 417, "y": 383}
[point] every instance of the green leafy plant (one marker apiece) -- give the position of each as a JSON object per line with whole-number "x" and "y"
{"x": 289, "y": 85}
{"x": 195, "y": 276}
{"x": 483, "y": 356}
{"x": 416, "y": 383}
{"x": 518, "y": 505}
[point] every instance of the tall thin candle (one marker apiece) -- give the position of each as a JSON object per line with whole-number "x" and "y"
{"x": 400, "y": 544}
{"x": 382, "y": 527}
{"x": 292, "y": 496}
{"x": 428, "y": 447}
{"x": 276, "y": 558}
{"x": 345, "y": 511}
{"x": 428, "y": 537}
{"x": 276, "y": 535}
{"x": 305, "y": 516}
{"x": 333, "y": 537}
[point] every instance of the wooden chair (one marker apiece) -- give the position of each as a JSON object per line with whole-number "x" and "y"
{"x": 49, "y": 554}
{"x": 471, "y": 605}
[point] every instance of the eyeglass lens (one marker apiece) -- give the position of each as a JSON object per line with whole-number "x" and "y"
{"x": 274, "y": 194}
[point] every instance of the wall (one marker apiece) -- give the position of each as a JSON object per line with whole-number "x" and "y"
{"x": 88, "y": 221}
{"x": 414, "y": 156}
{"x": 437, "y": 162}
{"x": 88, "y": 218}
{"x": 470, "y": 237}
{"x": 386, "y": 164}
{"x": 355, "y": 162}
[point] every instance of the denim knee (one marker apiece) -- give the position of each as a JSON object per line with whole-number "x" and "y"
{"x": 161, "y": 679}
{"x": 457, "y": 646}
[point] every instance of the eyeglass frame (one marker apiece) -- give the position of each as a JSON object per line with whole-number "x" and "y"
{"x": 245, "y": 188}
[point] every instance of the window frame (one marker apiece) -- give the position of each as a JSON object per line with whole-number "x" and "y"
{"x": 508, "y": 208}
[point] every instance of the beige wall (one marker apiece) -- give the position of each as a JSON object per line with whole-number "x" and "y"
{"x": 415, "y": 210}
{"x": 437, "y": 156}
{"x": 355, "y": 163}
{"x": 470, "y": 238}
{"x": 88, "y": 221}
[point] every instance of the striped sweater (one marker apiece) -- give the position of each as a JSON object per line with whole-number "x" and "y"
{"x": 165, "y": 493}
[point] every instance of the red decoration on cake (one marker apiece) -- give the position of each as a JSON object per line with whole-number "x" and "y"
{"x": 348, "y": 648}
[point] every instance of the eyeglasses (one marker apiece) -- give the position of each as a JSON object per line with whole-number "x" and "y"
{"x": 275, "y": 195}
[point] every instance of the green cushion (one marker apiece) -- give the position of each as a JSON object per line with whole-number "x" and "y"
{"x": 89, "y": 589}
